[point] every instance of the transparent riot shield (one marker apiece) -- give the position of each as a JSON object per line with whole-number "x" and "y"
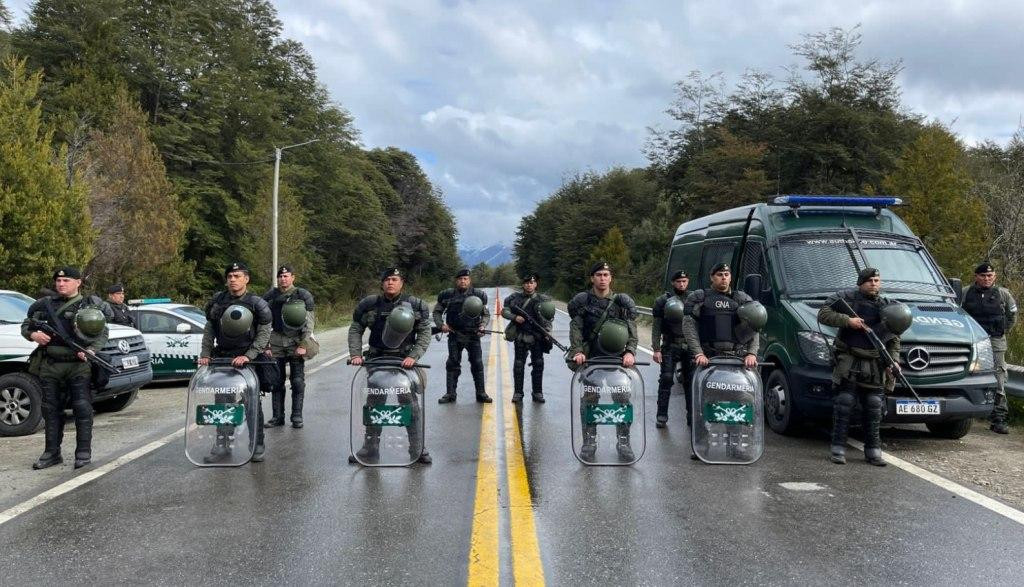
{"x": 221, "y": 415}
{"x": 728, "y": 420}
{"x": 608, "y": 413}
{"x": 388, "y": 423}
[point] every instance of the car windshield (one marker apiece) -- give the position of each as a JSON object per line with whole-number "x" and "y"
{"x": 14, "y": 307}
{"x": 819, "y": 264}
{"x": 192, "y": 313}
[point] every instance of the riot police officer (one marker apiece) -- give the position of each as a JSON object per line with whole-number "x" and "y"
{"x": 713, "y": 322}
{"x": 602, "y": 324}
{"x": 241, "y": 335}
{"x": 63, "y": 371}
{"x": 859, "y": 375}
{"x": 525, "y": 337}
{"x": 120, "y": 312}
{"x": 669, "y": 344}
{"x": 373, "y": 313}
{"x": 462, "y": 313}
{"x": 994, "y": 308}
{"x": 290, "y": 337}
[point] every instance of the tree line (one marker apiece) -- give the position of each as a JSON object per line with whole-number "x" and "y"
{"x": 834, "y": 125}
{"x": 137, "y": 141}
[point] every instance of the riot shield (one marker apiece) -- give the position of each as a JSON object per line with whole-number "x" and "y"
{"x": 221, "y": 416}
{"x": 728, "y": 420}
{"x": 608, "y": 424}
{"x": 387, "y": 413}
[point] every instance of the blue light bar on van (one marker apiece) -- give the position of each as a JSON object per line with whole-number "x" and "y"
{"x": 873, "y": 202}
{"x": 144, "y": 301}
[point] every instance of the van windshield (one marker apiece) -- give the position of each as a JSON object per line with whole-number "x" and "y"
{"x": 822, "y": 263}
{"x": 13, "y": 307}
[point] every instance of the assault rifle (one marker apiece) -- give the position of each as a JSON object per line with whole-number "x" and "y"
{"x": 437, "y": 330}
{"x": 888, "y": 361}
{"x": 45, "y": 328}
{"x": 537, "y": 327}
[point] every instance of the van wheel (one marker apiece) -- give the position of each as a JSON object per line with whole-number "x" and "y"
{"x": 116, "y": 403}
{"x": 21, "y": 404}
{"x": 952, "y": 429}
{"x": 779, "y": 408}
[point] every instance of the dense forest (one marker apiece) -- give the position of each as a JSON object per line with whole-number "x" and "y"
{"x": 834, "y": 125}
{"x": 137, "y": 140}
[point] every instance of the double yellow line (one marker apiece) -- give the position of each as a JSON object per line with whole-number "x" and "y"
{"x": 485, "y": 543}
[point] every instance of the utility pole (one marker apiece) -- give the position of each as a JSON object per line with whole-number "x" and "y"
{"x": 277, "y": 175}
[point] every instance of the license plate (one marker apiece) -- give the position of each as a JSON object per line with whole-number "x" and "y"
{"x": 913, "y": 408}
{"x": 129, "y": 362}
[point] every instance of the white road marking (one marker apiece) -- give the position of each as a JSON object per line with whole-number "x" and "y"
{"x": 802, "y": 486}
{"x": 986, "y": 502}
{"x": 84, "y": 478}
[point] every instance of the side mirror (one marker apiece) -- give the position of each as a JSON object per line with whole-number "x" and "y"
{"x": 958, "y": 290}
{"x": 752, "y": 285}
{"x": 183, "y": 328}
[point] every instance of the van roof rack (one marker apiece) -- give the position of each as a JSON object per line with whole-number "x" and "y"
{"x": 876, "y": 202}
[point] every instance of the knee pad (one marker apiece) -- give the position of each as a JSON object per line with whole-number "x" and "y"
{"x": 453, "y": 365}
{"x": 844, "y": 401}
{"x": 538, "y": 363}
{"x": 873, "y": 404}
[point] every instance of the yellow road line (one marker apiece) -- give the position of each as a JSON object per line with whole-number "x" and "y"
{"x": 484, "y": 557}
{"x": 526, "y": 563}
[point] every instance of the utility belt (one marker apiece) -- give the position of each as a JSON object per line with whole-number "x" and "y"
{"x": 58, "y": 353}
{"x": 722, "y": 346}
{"x": 859, "y": 353}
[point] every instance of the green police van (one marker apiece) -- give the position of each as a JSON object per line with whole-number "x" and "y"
{"x": 794, "y": 252}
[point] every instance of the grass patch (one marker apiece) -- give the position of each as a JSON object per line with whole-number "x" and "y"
{"x": 1016, "y": 406}
{"x": 334, "y": 315}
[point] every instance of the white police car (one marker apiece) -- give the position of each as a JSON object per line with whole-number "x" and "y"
{"x": 173, "y": 333}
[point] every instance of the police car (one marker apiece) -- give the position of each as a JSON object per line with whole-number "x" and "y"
{"x": 21, "y": 392}
{"x": 173, "y": 333}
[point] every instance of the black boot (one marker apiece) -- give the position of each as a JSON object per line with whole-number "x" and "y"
{"x": 48, "y": 459}
{"x": 838, "y": 454}
{"x": 277, "y": 408}
{"x": 370, "y": 451}
{"x": 622, "y": 443}
{"x": 81, "y": 404}
{"x": 451, "y": 384}
{"x": 220, "y": 451}
{"x": 517, "y": 383}
{"x": 481, "y": 391}
{"x": 873, "y": 456}
{"x": 258, "y": 453}
{"x": 589, "y": 448}
{"x": 999, "y": 427}
{"x": 297, "y": 399}
{"x": 54, "y": 434}
{"x": 537, "y": 384}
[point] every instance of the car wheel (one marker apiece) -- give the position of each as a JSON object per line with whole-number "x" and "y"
{"x": 780, "y": 411}
{"x": 21, "y": 404}
{"x": 116, "y": 403}
{"x": 952, "y": 429}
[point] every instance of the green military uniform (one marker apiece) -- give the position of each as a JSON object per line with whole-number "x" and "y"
{"x": 590, "y": 313}
{"x": 464, "y": 334}
{"x": 526, "y": 341}
{"x": 372, "y": 313}
{"x": 284, "y": 340}
{"x": 996, "y": 311}
{"x": 858, "y": 374}
{"x": 63, "y": 375}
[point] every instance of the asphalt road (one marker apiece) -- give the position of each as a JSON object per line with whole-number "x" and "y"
{"x": 505, "y": 501}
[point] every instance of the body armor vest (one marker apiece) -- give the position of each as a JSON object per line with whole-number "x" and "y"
{"x": 382, "y": 309}
{"x": 453, "y": 310}
{"x": 233, "y": 344}
{"x": 675, "y": 328}
{"x": 870, "y": 311}
{"x": 592, "y": 313}
{"x": 718, "y": 320}
{"x": 277, "y": 300}
{"x": 531, "y": 304}
{"x": 66, "y": 319}
{"x": 985, "y": 306}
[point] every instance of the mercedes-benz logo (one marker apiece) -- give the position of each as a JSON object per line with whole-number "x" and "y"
{"x": 123, "y": 346}
{"x": 918, "y": 358}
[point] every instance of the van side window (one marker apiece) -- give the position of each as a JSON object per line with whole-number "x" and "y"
{"x": 713, "y": 255}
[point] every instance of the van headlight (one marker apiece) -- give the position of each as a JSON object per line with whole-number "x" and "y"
{"x": 814, "y": 346}
{"x": 983, "y": 358}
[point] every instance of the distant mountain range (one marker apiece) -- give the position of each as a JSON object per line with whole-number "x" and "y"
{"x": 492, "y": 255}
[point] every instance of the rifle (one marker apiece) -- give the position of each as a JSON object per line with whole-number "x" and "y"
{"x": 884, "y": 355}
{"x": 537, "y": 327}
{"x": 437, "y": 330}
{"x": 45, "y": 328}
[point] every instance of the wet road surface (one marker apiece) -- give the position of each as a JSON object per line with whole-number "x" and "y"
{"x": 506, "y": 502}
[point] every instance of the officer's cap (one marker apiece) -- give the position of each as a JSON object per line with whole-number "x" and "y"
{"x": 529, "y": 277}
{"x": 464, "y": 272}
{"x": 719, "y": 268}
{"x": 236, "y": 266}
{"x": 984, "y": 268}
{"x": 391, "y": 272}
{"x": 117, "y": 288}
{"x": 866, "y": 274}
{"x": 284, "y": 269}
{"x": 71, "y": 272}
{"x": 601, "y": 266}
{"x": 678, "y": 275}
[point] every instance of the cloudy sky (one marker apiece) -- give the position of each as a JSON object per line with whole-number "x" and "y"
{"x": 501, "y": 100}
